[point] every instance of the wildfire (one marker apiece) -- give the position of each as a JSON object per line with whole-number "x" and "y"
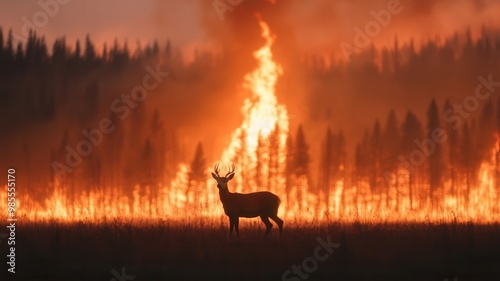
{"x": 262, "y": 113}
{"x": 264, "y": 118}
{"x": 259, "y": 149}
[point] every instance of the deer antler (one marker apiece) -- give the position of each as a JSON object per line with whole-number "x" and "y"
{"x": 217, "y": 169}
{"x": 231, "y": 170}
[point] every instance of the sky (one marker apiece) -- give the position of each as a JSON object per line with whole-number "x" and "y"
{"x": 134, "y": 21}
{"x": 314, "y": 26}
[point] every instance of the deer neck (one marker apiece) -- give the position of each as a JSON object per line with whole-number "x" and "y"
{"x": 224, "y": 194}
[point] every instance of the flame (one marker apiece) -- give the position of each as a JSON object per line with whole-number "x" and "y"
{"x": 261, "y": 111}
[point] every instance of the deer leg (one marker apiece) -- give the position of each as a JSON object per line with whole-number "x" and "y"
{"x": 236, "y": 224}
{"x": 268, "y": 224}
{"x": 279, "y": 222}
{"x": 231, "y": 225}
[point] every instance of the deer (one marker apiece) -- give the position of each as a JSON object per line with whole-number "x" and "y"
{"x": 261, "y": 204}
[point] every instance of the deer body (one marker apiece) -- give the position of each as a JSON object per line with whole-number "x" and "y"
{"x": 250, "y": 205}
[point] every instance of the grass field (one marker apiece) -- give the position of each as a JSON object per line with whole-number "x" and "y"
{"x": 166, "y": 251}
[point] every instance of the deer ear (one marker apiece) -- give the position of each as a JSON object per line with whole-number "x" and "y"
{"x": 214, "y": 176}
{"x": 230, "y": 177}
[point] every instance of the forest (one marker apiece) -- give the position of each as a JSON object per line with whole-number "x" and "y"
{"x": 397, "y": 141}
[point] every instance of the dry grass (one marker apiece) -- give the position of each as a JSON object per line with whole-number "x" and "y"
{"x": 196, "y": 251}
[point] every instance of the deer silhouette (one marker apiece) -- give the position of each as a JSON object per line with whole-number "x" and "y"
{"x": 262, "y": 204}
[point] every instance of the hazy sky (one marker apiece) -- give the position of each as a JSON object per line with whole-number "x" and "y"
{"x": 105, "y": 20}
{"x": 315, "y": 25}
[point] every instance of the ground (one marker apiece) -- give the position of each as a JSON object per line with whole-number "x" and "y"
{"x": 203, "y": 251}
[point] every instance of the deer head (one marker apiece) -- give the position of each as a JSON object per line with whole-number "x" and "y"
{"x": 222, "y": 181}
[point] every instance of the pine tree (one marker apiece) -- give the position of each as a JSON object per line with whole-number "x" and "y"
{"x": 411, "y": 130}
{"x": 339, "y": 157}
{"x": 197, "y": 175}
{"x": 434, "y": 152}
{"x": 1, "y": 50}
{"x": 332, "y": 165}
{"x": 147, "y": 165}
{"x": 302, "y": 158}
{"x": 104, "y": 56}
{"x": 31, "y": 48}
{"x": 375, "y": 158}
{"x": 467, "y": 161}
{"x": 90, "y": 53}
{"x": 198, "y": 165}
{"x": 301, "y": 169}
{"x": 77, "y": 52}
{"x": 1, "y": 41}
{"x": 486, "y": 138}
{"x": 158, "y": 138}
{"x": 9, "y": 49}
{"x": 453, "y": 150}
{"x": 41, "y": 51}
{"x": 59, "y": 52}
{"x": 327, "y": 165}
{"x": 390, "y": 152}
{"x": 19, "y": 61}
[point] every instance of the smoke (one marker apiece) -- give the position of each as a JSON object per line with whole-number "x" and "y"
{"x": 320, "y": 26}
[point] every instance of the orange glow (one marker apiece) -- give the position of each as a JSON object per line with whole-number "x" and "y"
{"x": 259, "y": 149}
{"x": 261, "y": 111}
